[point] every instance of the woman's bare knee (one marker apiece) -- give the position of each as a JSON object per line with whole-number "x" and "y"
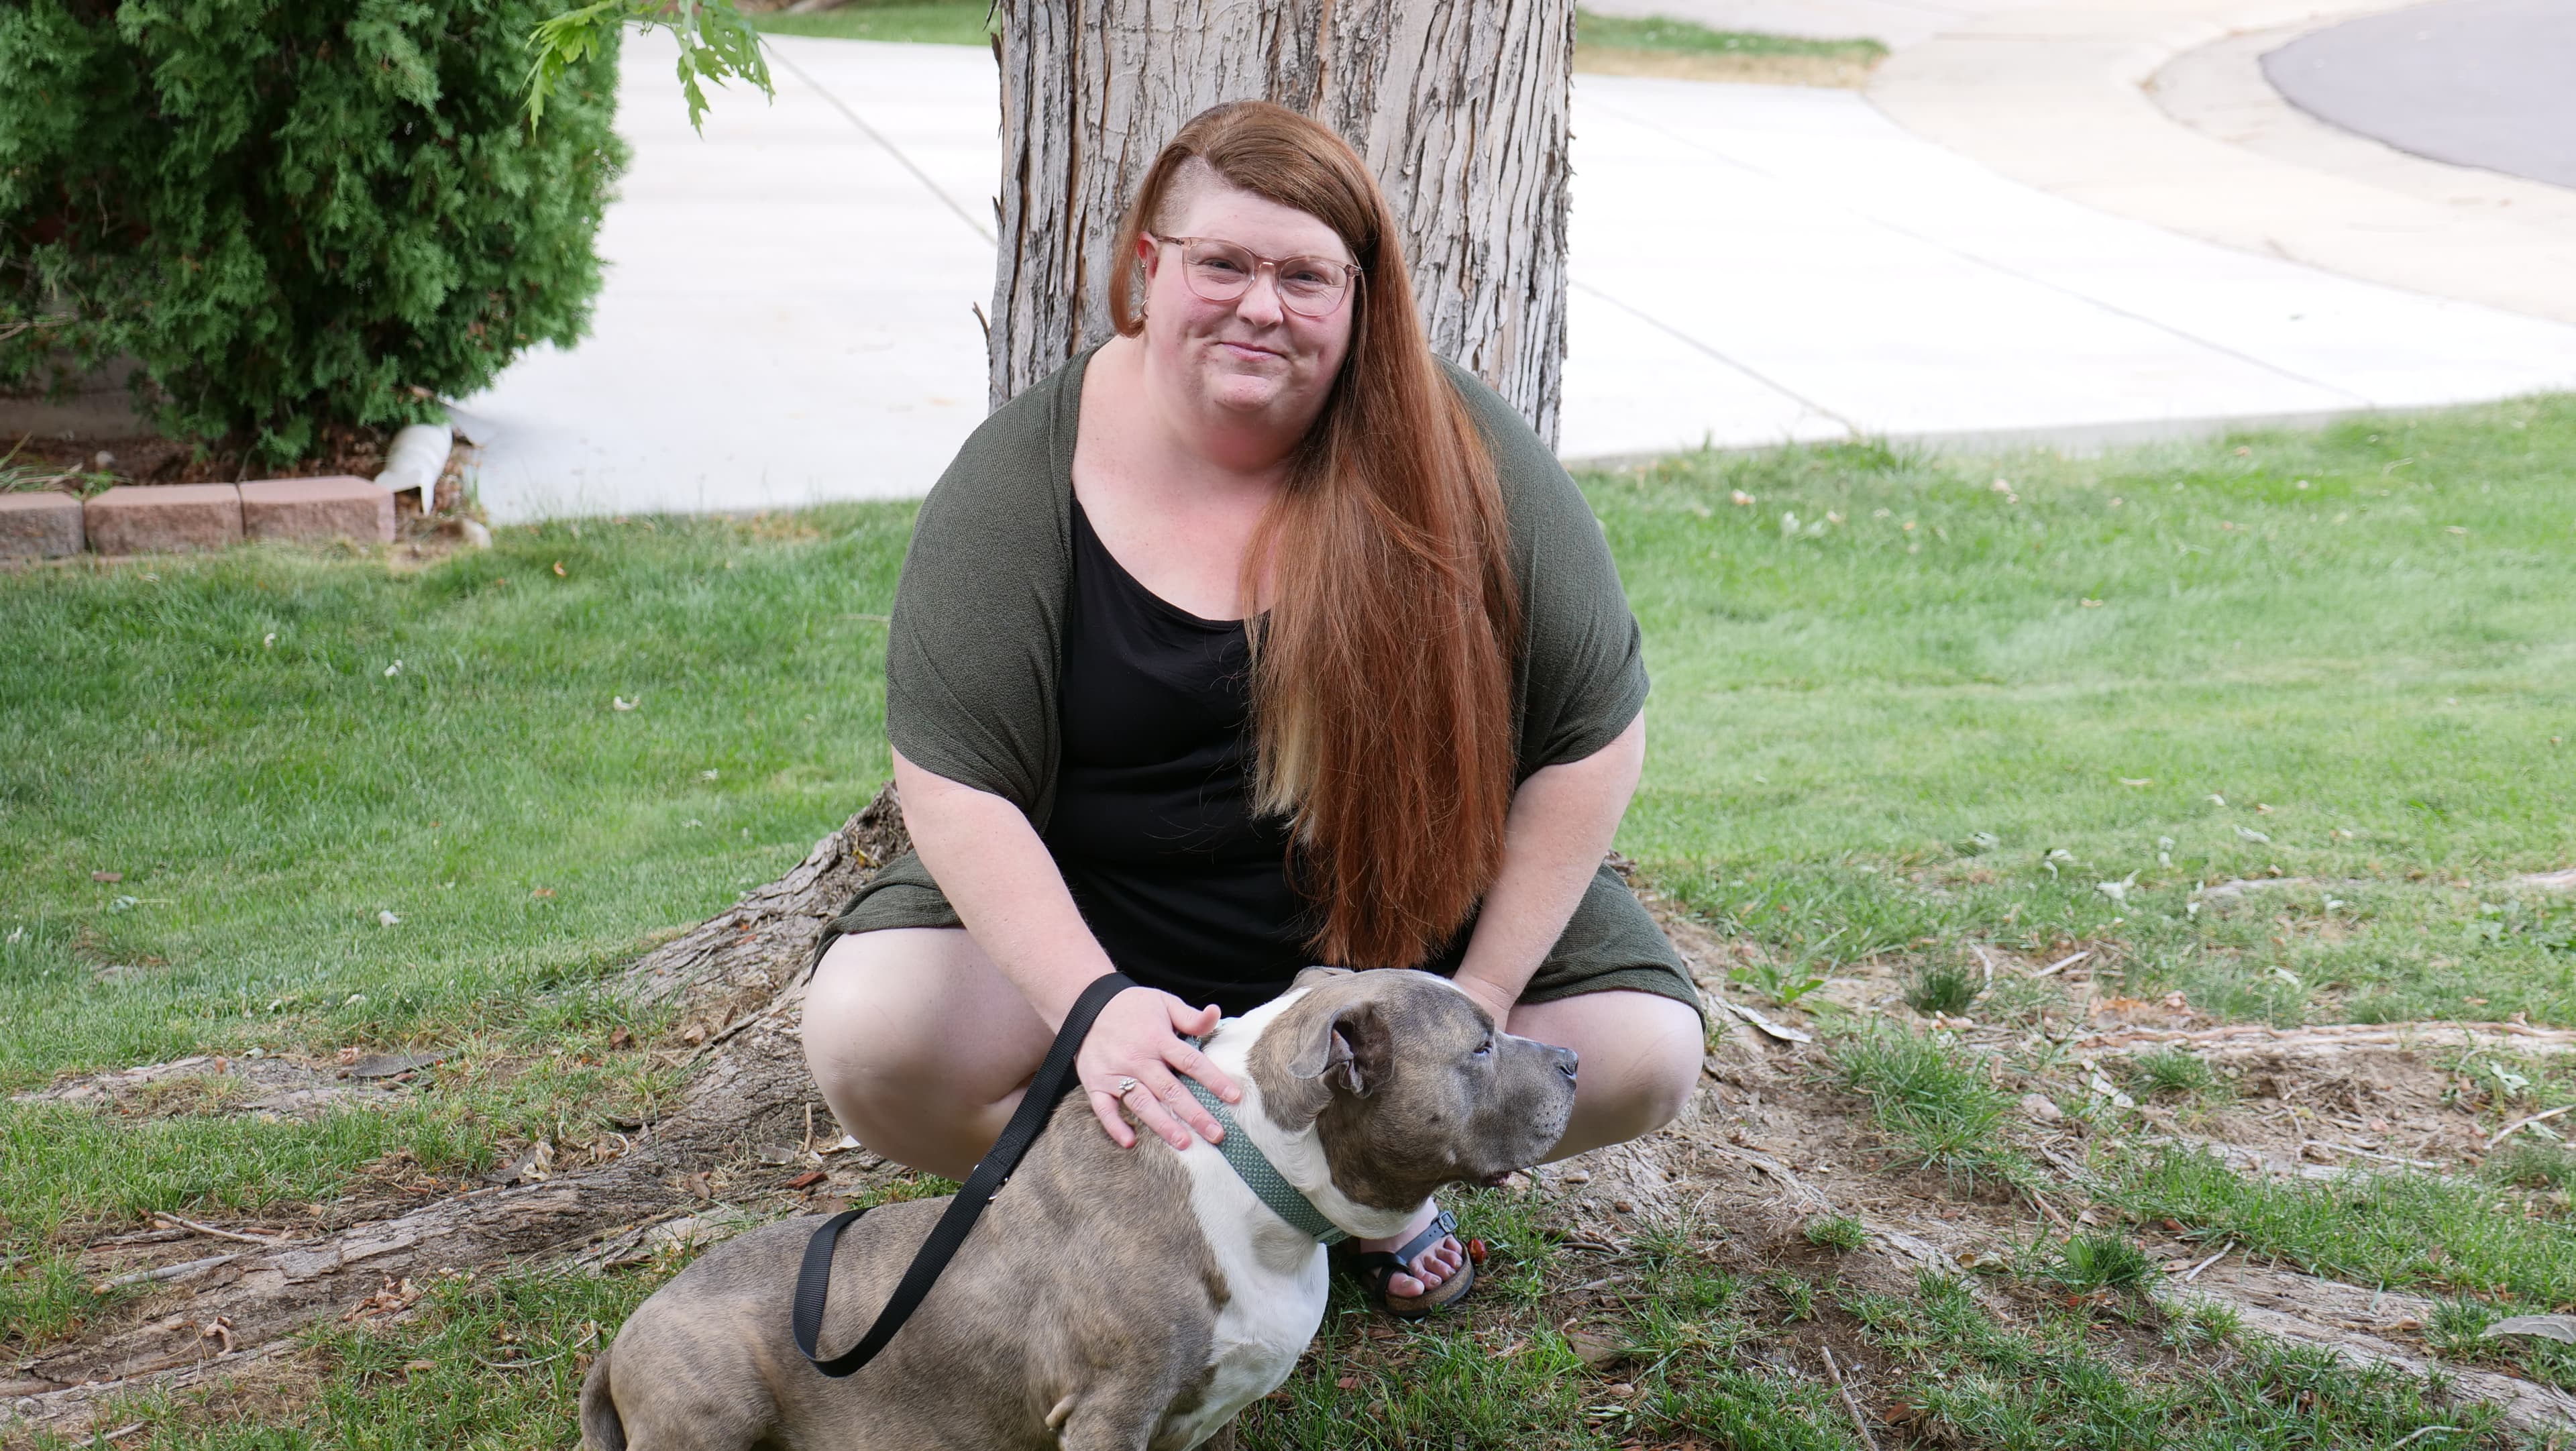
{"x": 919, "y": 1044}
{"x": 1641, "y": 1056}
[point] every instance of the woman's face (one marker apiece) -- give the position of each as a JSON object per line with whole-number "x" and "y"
{"x": 1250, "y": 359}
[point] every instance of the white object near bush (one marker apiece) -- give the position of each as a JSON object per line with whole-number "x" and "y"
{"x": 417, "y": 458}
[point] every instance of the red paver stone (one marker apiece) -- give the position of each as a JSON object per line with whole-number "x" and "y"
{"x": 40, "y": 525}
{"x": 164, "y": 518}
{"x": 338, "y": 507}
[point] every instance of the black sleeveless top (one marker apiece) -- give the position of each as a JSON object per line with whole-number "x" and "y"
{"x": 1185, "y": 887}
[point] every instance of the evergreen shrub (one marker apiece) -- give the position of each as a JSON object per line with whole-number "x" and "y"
{"x": 292, "y": 212}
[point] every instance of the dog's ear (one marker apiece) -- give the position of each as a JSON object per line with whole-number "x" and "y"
{"x": 1317, "y": 1050}
{"x": 1328, "y": 1056}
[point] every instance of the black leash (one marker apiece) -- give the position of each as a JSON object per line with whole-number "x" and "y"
{"x": 814, "y": 1276}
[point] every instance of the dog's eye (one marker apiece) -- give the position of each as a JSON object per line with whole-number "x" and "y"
{"x": 1485, "y": 1047}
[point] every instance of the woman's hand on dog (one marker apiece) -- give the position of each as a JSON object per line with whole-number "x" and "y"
{"x": 1140, "y": 1035}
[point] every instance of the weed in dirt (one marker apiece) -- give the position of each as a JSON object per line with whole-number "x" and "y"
{"x": 1937, "y": 1103}
{"x": 192, "y": 1093}
{"x": 2171, "y": 1073}
{"x": 1835, "y": 1232}
{"x": 2090, "y": 1262}
{"x": 1796, "y": 1294}
{"x": 2200, "y": 1325}
{"x": 1781, "y": 985}
{"x": 1943, "y": 987}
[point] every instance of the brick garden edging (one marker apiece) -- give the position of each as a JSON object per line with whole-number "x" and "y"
{"x": 41, "y": 525}
{"x": 187, "y": 518}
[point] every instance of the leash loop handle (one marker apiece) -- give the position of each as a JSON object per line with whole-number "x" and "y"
{"x": 814, "y": 1276}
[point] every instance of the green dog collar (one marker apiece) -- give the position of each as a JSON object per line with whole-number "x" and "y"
{"x": 1256, "y": 1170}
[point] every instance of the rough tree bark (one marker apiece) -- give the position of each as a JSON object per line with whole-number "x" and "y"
{"x": 1460, "y": 106}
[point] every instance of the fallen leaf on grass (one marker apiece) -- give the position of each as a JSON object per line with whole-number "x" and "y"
{"x": 2137, "y": 780}
{"x": 620, "y": 1038}
{"x": 619, "y": 702}
{"x": 806, "y": 1180}
{"x": 393, "y": 1295}
{"x": 559, "y": 569}
{"x": 541, "y": 892}
{"x": 533, "y": 1164}
{"x": 107, "y": 876}
{"x": 1595, "y": 1351}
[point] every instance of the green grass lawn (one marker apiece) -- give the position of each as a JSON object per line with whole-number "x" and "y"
{"x": 940, "y": 22}
{"x": 1901, "y": 704}
{"x": 966, "y": 22}
{"x": 1683, "y": 37}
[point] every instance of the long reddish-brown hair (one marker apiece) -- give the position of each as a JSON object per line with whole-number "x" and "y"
{"x": 1382, "y": 679}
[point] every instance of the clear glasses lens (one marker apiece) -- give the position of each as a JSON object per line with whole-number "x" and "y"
{"x": 1308, "y": 285}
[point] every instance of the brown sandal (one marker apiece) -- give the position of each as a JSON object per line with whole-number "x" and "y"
{"x": 1374, "y": 1268}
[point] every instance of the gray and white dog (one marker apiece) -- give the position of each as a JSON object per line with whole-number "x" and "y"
{"x": 1109, "y": 1299}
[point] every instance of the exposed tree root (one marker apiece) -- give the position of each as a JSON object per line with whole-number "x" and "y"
{"x": 2354, "y": 1323}
{"x": 2235, "y": 1040}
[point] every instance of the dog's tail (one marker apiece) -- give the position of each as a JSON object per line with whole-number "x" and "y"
{"x": 600, "y": 1428}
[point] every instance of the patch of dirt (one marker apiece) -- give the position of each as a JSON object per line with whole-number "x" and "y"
{"x": 152, "y": 459}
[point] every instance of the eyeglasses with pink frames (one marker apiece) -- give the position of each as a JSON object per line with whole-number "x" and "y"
{"x": 1220, "y": 271}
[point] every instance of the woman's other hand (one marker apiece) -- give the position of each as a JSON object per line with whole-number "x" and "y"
{"x": 1143, "y": 1034}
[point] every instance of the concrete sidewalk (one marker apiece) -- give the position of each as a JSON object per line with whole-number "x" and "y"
{"x": 787, "y": 319}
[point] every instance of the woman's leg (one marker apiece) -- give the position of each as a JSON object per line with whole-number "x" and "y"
{"x": 920, "y": 1045}
{"x": 1640, "y": 1055}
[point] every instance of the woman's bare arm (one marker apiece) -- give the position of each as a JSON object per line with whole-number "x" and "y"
{"x": 1561, "y": 823}
{"x": 1003, "y": 882}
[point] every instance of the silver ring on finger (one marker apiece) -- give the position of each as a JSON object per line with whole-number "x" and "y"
{"x": 1127, "y": 1086}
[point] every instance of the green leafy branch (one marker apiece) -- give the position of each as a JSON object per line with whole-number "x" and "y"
{"x": 717, "y": 44}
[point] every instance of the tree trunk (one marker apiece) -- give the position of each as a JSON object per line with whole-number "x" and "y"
{"x": 1459, "y": 106}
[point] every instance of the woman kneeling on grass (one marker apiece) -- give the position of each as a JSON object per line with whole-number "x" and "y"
{"x": 1255, "y": 636}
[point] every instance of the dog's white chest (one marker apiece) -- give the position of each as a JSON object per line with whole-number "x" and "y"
{"x": 1277, "y": 1283}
